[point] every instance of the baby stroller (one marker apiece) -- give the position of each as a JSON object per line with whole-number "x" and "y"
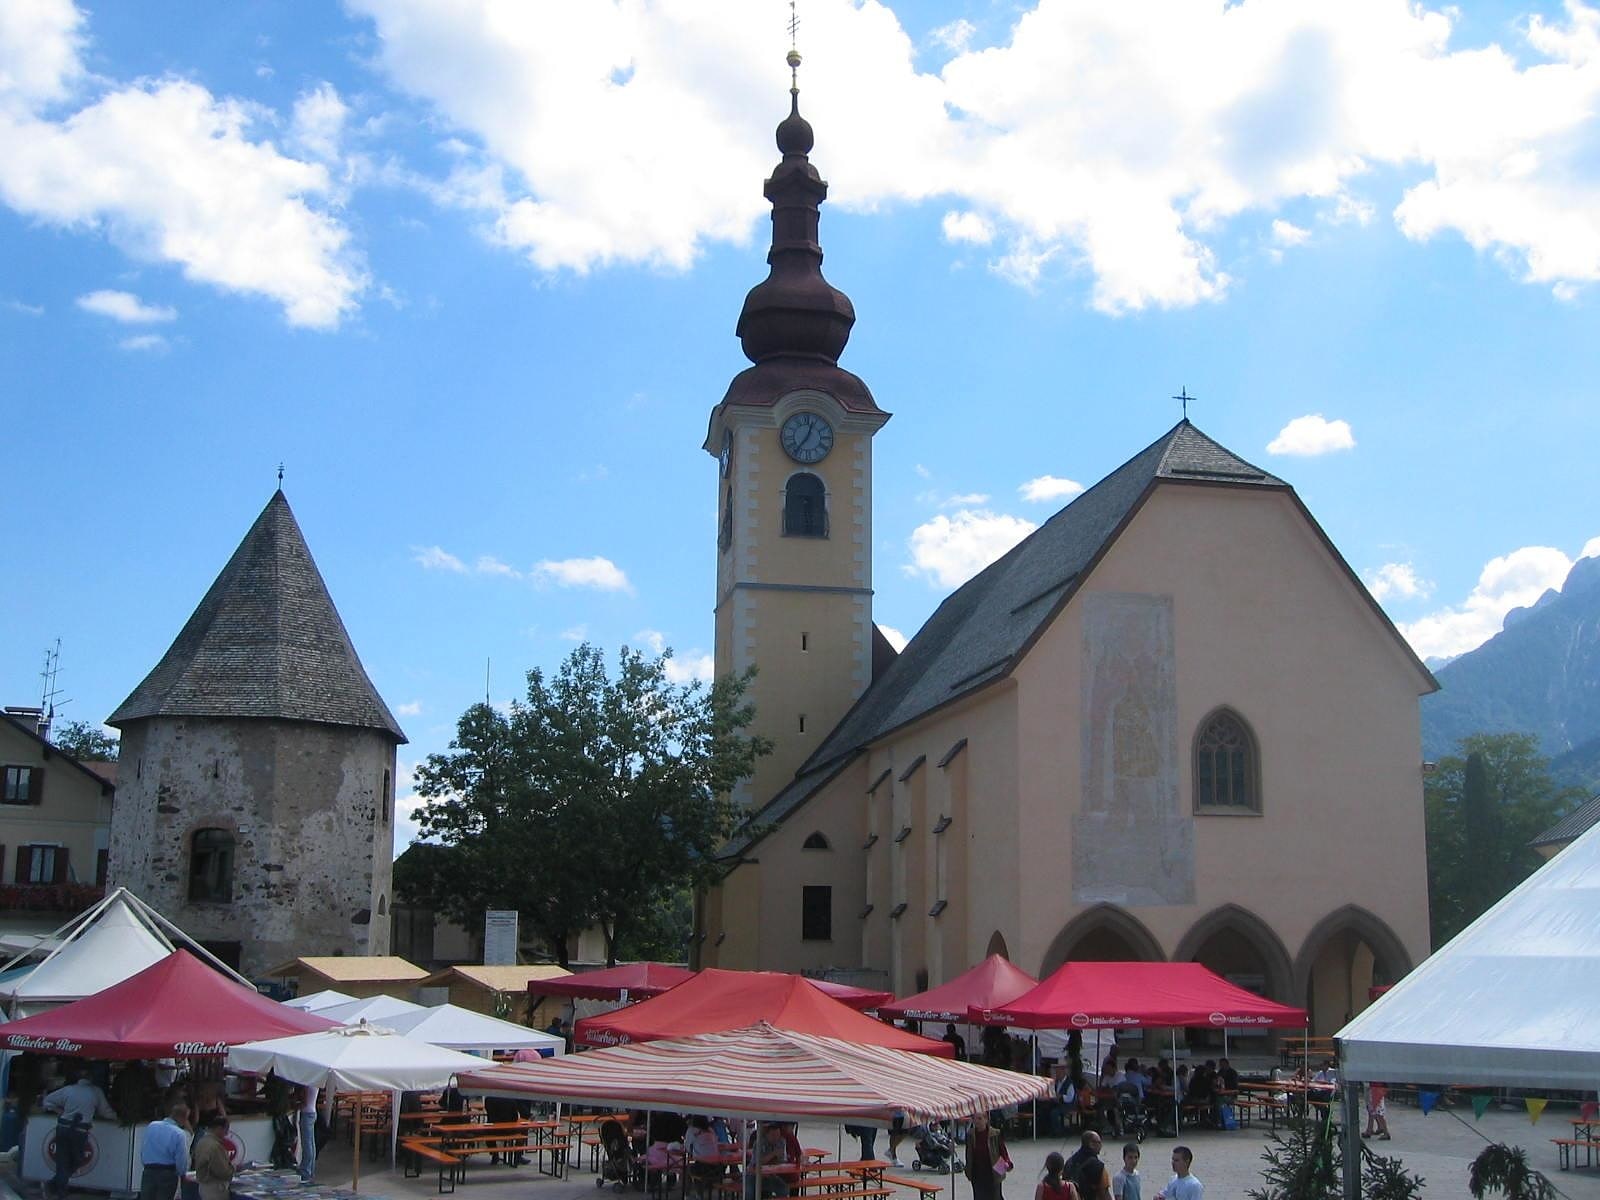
{"x": 616, "y": 1167}
{"x": 1136, "y": 1121}
{"x": 934, "y": 1150}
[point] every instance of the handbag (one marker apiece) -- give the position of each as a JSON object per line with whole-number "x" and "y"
{"x": 1230, "y": 1119}
{"x": 1001, "y": 1166}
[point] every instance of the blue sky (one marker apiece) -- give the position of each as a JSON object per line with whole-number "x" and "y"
{"x": 471, "y": 270}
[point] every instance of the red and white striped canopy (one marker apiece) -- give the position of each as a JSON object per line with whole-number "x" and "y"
{"x": 764, "y": 1073}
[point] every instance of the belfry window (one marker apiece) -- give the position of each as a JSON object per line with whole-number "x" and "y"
{"x": 805, "y": 507}
{"x": 211, "y": 866}
{"x": 1227, "y": 768}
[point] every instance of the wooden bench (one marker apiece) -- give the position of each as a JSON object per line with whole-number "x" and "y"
{"x": 449, "y": 1164}
{"x": 812, "y": 1181}
{"x": 924, "y": 1189}
{"x": 1568, "y": 1149}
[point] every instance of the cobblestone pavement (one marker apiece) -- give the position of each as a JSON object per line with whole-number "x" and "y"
{"x": 1439, "y": 1146}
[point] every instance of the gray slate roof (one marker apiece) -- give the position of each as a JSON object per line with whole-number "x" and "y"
{"x": 266, "y": 641}
{"x": 984, "y": 627}
{"x": 1572, "y": 826}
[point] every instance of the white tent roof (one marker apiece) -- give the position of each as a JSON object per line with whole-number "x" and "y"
{"x": 1509, "y": 1001}
{"x": 118, "y": 944}
{"x": 354, "y": 1058}
{"x": 317, "y": 1001}
{"x": 372, "y": 1008}
{"x": 462, "y": 1029}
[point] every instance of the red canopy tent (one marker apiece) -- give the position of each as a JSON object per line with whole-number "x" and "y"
{"x": 714, "y": 1001}
{"x": 860, "y": 999}
{"x": 632, "y": 981}
{"x": 991, "y": 984}
{"x": 1130, "y": 995}
{"x": 178, "y": 1006}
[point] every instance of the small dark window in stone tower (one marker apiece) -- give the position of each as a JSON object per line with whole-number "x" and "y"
{"x": 388, "y": 797}
{"x": 816, "y": 913}
{"x": 725, "y": 533}
{"x": 1226, "y": 766}
{"x": 211, "y": 866}
{"x": 805, "y": 510}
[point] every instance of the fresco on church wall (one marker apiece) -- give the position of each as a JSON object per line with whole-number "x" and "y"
{"x": 1131, "y": 844}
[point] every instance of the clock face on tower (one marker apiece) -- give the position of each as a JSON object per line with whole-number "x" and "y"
{"x": 726, "y": 457}
{"x": 806, "y": 438}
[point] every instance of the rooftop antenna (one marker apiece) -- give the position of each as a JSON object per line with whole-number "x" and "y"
{"x": 49, "y": 691}
{"x": 486, "y": 663}
{"x": 1183, "y": 395}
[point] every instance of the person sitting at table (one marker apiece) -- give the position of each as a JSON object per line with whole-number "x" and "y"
{"x": 772, "y": 1151}
{"x": 1227, "y": 1075}
{"x": 1134, "y": 1080}
{"x": 703, "y": 1148}
{"x": 213, "y": 1169}
{"x": 1328, "y": 1076}
{"x": 791, "y": 1143}
{"x": 1088, "y": 1103}
{"x": 1202, "y": 1092}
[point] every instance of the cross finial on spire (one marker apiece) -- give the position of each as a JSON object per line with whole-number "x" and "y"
{"x": 280, "y": 477}
{"x": 1183, "y": 395}
{"x": 794, "y": 48}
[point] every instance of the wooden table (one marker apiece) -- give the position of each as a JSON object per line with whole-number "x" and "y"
{"x": 511, "y": 1138}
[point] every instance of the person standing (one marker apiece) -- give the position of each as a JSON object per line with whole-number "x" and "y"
{"x": 308, "y": 1132}
{"x": 213, "y": 1168}
{"x": 867, "y": 1136}
{"x": 1377, "y": 1111}
{"x": 957, "y": 1042}
{"x": 988, "y": 1160}
{"x": 1053, "y": 1186}
{"x": 1126, "y": 1183}
{"x": 1086, "y": 1169}
{"x": 77, "y": 1104}
{"x": 1183, "y": 1185}
{"x": 165, "y": 1155}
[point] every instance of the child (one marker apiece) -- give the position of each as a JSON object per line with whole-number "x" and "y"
{"x": 1052, "y": 1186}
{"x": 1125, "y": 1183}
{"x": 1377, "y": 1111}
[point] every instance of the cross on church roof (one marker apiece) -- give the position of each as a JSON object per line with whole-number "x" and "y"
{"x": 1183, "y": 395}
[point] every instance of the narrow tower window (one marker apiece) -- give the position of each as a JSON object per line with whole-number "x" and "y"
{"x": 805, "y": 642}
{"x": 211, "y": 866}
{"x": 802, "y": 722}
{"x": 805, "y": 511}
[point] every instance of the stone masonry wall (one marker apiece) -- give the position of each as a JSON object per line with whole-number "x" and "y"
{"x": 310, "y": 808}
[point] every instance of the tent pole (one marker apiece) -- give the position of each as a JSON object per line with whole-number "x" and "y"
{"x": 1352, "y": 1138}
{"x": 1177, "y": 1101}
{"x": 355, "y": 1164}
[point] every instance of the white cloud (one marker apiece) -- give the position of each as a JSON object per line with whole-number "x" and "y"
{"x": 1083, "y": 143}
{"x": 922, "y": 471}
{"x": 691, "y": 668}
{"x": 167, "y": 172}
{"x": 435, "y": 558}
{"x": 967, "y": 227}
{"x": 1591, "y": 548}
{"x": 125, "y": 307}
{"x": 574, "y": 633}
{"x": 27, "y": 310}
{"x": 947, "y": 551}
{"x": 1397, "y": 580}
{"x": 1048, "y": 487}
{"x": 965, "y": 500}
{"x": 599, "y": 573}
{"x": 1285, "y": 233}
{"x": 317, "y": 126}
{"x": 893, "y": 636}
{"x": 1311, "y": 435}
{"x": 488, "y": 564}
{"x": 653, "y": 639}
{"x": 956, "y": 35}
{"x": 412, "y": 709}
{"x": 1513, "y": 580}
{"x": 150, "y": 343}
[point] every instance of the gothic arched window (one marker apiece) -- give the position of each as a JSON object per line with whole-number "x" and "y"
{"x": 211, "y": 866}
{"x": 805, "y": 507}
{"x": 1227, "y": 766}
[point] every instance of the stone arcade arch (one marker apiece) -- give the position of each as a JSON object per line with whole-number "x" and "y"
{"x": 1104, "y": 933}
{"x": 1346, "y": 952}
{"x": 1238, "y": 945}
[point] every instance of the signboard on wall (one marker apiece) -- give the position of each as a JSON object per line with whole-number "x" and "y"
{"x": 500, "y": 937}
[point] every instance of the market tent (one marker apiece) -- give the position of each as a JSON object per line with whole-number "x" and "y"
{"x": 714, "y": 1001}
{"x": 318, "y": 1001}
{"x": 763, "y": 1072}
{"x": 992, "y": 983}
{"x": 858, "y": 998}
{"x": 1508, "y": 1002}
{"x": 1131, "y": 995}
{"x": 373, "y": 1008}
{"x": 177, "y": 1006}
{"x": 462, "y": 1029}
{"x": 627, "y": 981}
{"x": 110, "y": 946}
{"x": 353, "y": 1058}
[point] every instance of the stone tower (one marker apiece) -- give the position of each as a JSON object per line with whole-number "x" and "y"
{"x": 256, "y": 805}
{"x": 793, "y": 441}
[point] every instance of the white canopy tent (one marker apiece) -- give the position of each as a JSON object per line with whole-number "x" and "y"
{"x": 462, "y": 1029}
{"x": 373, "y": 1008}
{"x": 317, "y": 1001}
{"x": 1507, "y": 1002}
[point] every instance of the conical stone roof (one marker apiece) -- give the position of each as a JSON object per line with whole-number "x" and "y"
{"x": 266, "y": 641}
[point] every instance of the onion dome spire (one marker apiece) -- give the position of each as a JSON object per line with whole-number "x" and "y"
{"x": 795, "y": 312}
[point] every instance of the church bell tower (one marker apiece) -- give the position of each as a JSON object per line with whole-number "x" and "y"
{"x": 793, "y": 442}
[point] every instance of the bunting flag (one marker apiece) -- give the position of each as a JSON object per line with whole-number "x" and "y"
{"x": 1427, "y": 1100}
{"x": 1480, "y": 1105}
{"x": 1535, "y": 1107}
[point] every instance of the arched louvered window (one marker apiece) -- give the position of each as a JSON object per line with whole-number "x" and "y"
{"x": 805, "y": 507}
{"x": 1227, "y": 766}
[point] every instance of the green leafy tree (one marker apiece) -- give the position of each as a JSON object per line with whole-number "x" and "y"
{"x": 86, "y": 742}
{"x": 1306, "y": 1162}
{"x": 1504, "y": 1170}
{"x": 1484, "y": 805}
{"x": 594, "y": 800}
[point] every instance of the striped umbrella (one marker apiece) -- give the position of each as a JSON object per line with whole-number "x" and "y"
{"x": 765, "y": 1073}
